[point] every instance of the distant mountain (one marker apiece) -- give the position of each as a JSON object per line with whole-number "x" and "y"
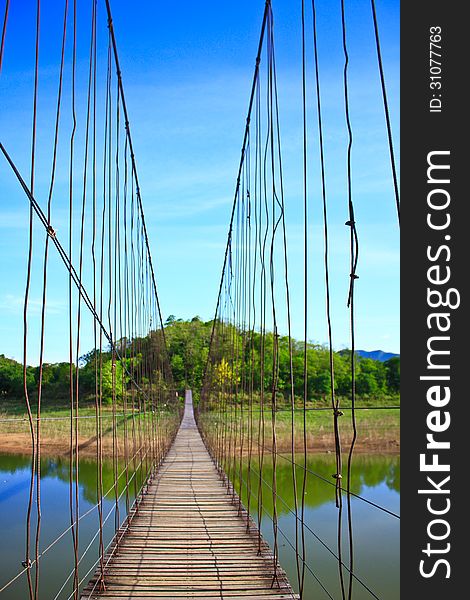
{"x": 376, "y": 354}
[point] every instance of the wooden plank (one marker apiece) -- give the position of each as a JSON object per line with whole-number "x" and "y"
{"x": 188, "y": 537}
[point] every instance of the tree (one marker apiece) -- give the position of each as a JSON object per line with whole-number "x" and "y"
{"x": 392, "y": 370}
{"x": 177, "y": 367}
{"x": 98, "y": 374}
{"x": 11, "y": 377}
{"x": 225, "y": 374}
{"x": 321, "y": 383}
{"x": 241, "y": 358}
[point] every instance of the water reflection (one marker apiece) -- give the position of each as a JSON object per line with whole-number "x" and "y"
{"x": 55, "y": 566}
{"x": 376, "y": 534}
{"x": 367, "y": 472}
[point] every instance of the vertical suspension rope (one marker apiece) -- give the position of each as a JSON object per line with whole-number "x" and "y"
{"x": 38, "y": 420}
{"x": 335, "y": 405}
{"x": 27, "y": 562}
{"x": 4, "y": 32}
{"x": 25, "y": 322}
{"x": 97, "y": 373}
{"x": 354, "y": 248}
{"x": 386, "y": 110}
{"x": 125, "y": 335}
{"x": 107, "y": 150}
{"x": 305, "y": 276}
{"x": 282, "y": 220}
{"x": 49, "y": 233}
{"x": 275, "y": 334}
{"x": 133, "y": 336}
{"x": 72, "y": 455}
{"x": 113, "y": 301}
{"x": 79, "y": 307}
{"x": 263, "y": 302}
{"x": 251, "y": 332}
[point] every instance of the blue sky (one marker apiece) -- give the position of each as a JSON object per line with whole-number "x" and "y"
{"x": 187, "y": 70}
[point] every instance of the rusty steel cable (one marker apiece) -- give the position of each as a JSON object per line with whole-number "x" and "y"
{"x": 305, "y": 299}
{"x": 280, "y": 201}
{"x": 4, "y": 32}
{"x": 43, "y": 306}
{"x": 75, "y": 410}
{"x": 276, "y": 220}
{"x": 134, "y": 170}
{"x": 386, "y": 110}
{"x": 112, "y": 305}
{"x": 354, "y": 255}
{"x": 245, "y": 139}
{"x": 74, "y": 525}
{"x": 335, "y": 404}
{"x": 32, "y": 588}
{"x": 98, "y": 414}
{"x": 123, "y": 295}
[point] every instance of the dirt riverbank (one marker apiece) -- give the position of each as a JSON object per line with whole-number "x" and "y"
{"x": 20, "y": 443}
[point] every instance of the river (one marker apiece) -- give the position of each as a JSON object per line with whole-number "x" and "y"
{"x": 375, "y": 479}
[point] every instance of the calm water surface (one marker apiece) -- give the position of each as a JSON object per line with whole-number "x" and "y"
{"x": 376, "y": 534}
{"x": 57, "y": 563}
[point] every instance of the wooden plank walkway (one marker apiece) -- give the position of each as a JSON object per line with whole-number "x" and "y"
{"x": 187, "y": 539}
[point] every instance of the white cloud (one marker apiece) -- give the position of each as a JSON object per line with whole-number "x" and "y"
{"x": 13, "y": 304}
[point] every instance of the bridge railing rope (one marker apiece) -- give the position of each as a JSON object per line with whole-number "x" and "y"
{"x": 252, "y": 374}
{"x": 109, "y": 289}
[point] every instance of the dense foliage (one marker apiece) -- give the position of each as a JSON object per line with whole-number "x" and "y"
{"x": 55, "y": 377}
{"x": 188, "y": 346}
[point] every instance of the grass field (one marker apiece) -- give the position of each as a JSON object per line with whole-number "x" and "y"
{"x": 378, "y": 429}
{"x": 56, "y": 426}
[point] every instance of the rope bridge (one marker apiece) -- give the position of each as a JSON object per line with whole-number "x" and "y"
{"x": 189, "y": 503}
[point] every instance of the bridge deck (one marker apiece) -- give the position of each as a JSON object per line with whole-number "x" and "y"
{"x": 187, "y": 539}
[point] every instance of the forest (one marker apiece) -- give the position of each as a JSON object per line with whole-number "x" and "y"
{"x": 188, "y": 343}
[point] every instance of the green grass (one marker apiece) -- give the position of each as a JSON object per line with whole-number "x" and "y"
{"x": 375, "y": 428}
{"x": 56, "y": 424}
